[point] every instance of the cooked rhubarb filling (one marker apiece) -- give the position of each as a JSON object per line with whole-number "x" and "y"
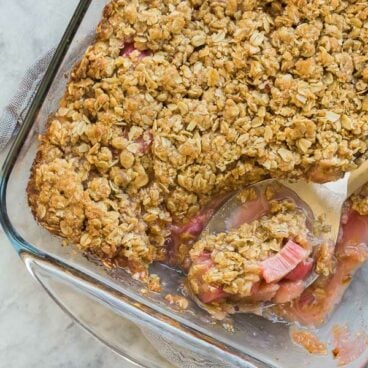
{"x": 178, "y": 103}
{"x": 318, "y": 301}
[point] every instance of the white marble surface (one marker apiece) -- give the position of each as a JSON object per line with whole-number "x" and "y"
{"x": 34, "y": 332}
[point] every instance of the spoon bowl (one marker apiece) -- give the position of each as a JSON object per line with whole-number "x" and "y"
{"x": 235, "y": 212}
{"x": 322, "y": 202}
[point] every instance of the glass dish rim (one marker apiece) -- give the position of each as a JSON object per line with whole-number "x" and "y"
{"x": 22, "y": 246}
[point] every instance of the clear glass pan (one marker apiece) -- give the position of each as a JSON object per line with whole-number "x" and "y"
{"x": 69, "y": 278}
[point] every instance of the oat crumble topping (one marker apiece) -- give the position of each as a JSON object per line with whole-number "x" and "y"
{"x": 236, "y": 255}
{"x": 359, "y": 201}
{"x": 178, "y": 101}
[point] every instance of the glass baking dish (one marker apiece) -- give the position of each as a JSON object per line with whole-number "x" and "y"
{"x": 102, "y": 302}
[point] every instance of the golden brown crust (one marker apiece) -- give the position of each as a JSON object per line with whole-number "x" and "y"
{"x": 213, "y": 95}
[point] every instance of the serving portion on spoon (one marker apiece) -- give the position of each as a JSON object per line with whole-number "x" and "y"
{"x": 261, "y": 247}
{"x": 268, "y": 243}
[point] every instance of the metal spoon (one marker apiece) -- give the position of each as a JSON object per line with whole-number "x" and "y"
{"x": 219, "y": 222}
{"x": 322, "y": 200}
{"x": 317, "y": 199}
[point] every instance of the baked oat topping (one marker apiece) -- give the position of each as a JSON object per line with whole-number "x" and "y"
{"x": 232, "y": 261}
{"x": 178, "y": 101}
{"x": 359, "y": 201}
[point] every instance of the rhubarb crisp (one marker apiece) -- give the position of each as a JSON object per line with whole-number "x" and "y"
{"x": 178, "y": 103}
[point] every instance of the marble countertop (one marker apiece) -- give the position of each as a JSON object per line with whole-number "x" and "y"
{"x": 34, "y": 332}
